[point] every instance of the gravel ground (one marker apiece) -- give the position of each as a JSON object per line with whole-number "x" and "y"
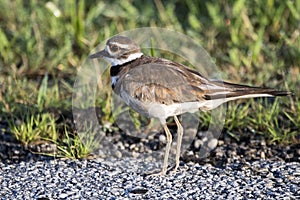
{"x": 115, "y": 179}
{"x": 249, "y": 169}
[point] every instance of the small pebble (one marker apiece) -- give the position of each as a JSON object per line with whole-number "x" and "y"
{"x": 212, "y": 143}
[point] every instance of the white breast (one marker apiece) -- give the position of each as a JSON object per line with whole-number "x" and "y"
{"x": 114, "y": 80}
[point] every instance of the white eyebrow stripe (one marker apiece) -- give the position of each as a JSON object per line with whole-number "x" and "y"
{"x": 123, "y": 46}
{"x": 107, "y": 49}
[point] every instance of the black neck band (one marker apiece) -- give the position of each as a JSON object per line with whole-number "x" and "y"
{"x": 114, "y": 70}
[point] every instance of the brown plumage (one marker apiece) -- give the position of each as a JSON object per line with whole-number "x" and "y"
{"x": 160, "y": 88}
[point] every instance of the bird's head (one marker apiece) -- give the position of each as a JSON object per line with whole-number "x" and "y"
{"x": 119, "y": 50}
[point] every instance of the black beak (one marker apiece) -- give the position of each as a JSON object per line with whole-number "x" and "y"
{"x": 99, "y": 54}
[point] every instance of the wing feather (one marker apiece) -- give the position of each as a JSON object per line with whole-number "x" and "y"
{"x": 162, "y": 81}
{"x": 154, "y": 82}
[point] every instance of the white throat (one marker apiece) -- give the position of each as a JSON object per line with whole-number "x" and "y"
{"x": 131, "y": 57}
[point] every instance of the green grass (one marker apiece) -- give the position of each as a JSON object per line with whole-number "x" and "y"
{"x": 264, "y": 118}
{"x": 42, "y": 44}
{"x": 30, "y": 127}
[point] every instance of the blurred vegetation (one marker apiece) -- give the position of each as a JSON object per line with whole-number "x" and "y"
{"x": 42, "y": 44}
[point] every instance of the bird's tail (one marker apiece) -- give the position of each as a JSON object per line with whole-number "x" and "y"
{"x": 231, "y": 91}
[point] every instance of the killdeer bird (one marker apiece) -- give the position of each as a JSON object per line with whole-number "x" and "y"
{"x": 160, "y": 88}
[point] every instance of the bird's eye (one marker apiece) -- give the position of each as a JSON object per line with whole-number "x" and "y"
{"x": 114, "y": 48}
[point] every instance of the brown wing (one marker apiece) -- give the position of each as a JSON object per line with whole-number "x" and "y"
{"x": 162, "y": 82}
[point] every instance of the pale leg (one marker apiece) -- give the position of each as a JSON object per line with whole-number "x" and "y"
{"x": 179, "y": 140}
{"x": 168, "y": 146}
